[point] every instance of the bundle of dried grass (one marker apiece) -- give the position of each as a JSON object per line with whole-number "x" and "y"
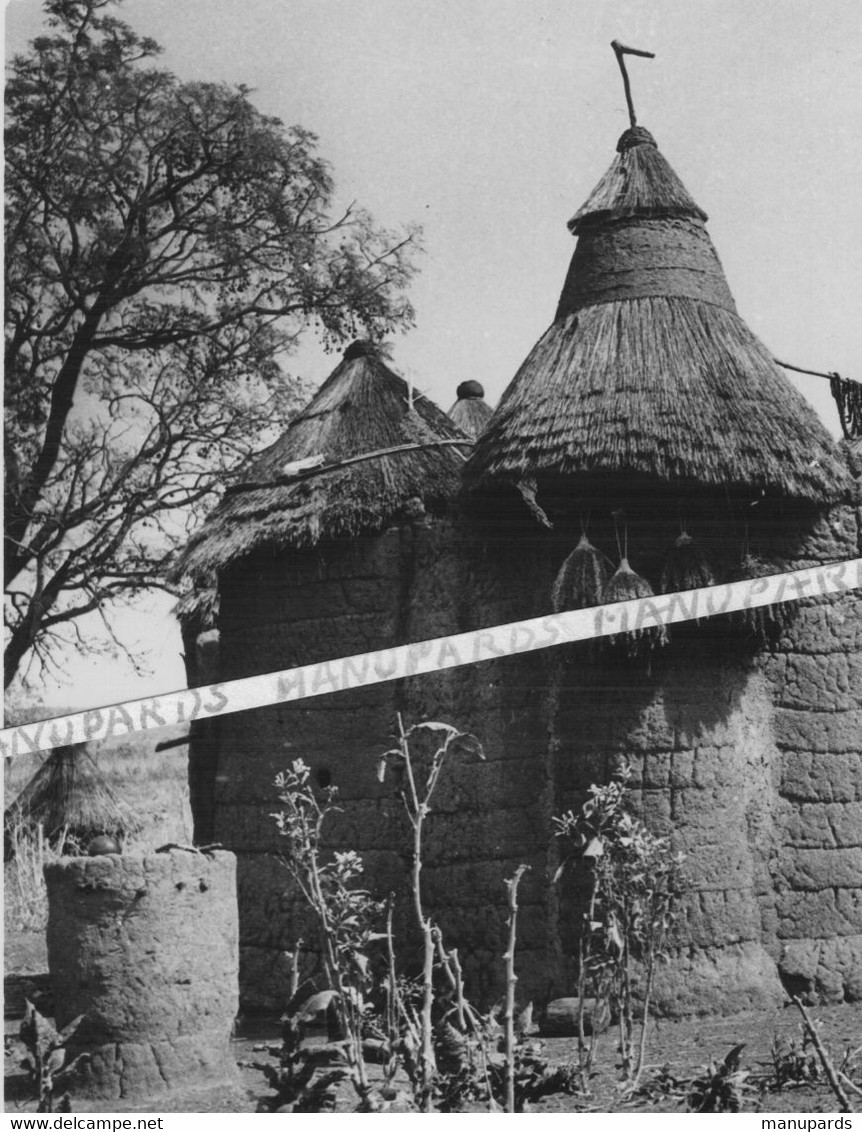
{"x": 471, "y": 412}
{"x": 362, "y": 408}
{"x": 686, "y": 567}
{"x": 69, "y": 798}
{"x": 582, "y": 578}
{"x": 626, "y": 585}
{"x": 648, "y": 372}
{"x": 764, "y": 624}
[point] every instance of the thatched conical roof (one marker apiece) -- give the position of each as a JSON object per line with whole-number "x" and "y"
{"x": 69, "y": 793}
{"x": 648, "y": 372}
{"x": 471, "y": 412}
{"x": 369, "y": 448}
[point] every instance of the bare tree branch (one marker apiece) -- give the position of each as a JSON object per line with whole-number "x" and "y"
{"x": 166, "y": 247}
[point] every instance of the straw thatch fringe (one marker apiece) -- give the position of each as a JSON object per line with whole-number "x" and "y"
{"x": 639, "y": 182}
{"x": 198, "y": 609}
{"x": 68, "y": 795}
{"x": 362, "y": 407}
{"x": 669, "y": 388}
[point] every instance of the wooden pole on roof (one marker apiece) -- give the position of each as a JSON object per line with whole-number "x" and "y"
{"x": 619, "y": 51}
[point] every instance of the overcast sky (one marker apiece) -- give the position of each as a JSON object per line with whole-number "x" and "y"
{"x": 489, "y": 121}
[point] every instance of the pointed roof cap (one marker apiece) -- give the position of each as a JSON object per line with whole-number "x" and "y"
{"x": 471, "y": 412}
{"x": 639, "y": 182}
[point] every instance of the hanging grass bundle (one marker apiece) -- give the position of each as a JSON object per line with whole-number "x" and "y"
{"x": 626, "y": 585}
{"x": 762, "y": 625}
{"x": 581, "y": 580}
{"x": 686, "y": 567}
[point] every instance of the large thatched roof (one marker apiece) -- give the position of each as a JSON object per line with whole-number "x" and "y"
{"x": 648, "y": 371}
{"x": 471, "y": 412}
{"x": 372, "y": 449}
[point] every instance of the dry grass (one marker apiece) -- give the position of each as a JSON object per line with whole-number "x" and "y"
{"x": 667, "y": 388}
{"x": 639, "y": 182}
{"x": 361, "y": 408}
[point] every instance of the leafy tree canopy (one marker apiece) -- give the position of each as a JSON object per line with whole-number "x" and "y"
{"x": 166, "y": 246}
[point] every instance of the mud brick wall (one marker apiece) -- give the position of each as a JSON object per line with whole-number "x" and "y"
{"x": 489, "y": 815}
{"x": 816, "y": 678}
{"x": 696, "y": 733}
{"x": 413, "y": 582}
{"x": 281, "y": 611}
{"x": 748, "y": 757}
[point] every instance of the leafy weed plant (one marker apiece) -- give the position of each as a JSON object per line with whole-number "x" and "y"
{"x": 454, "y": 1056}
{"x": 45, "y": 1058}
{"x": 634, "y": 884}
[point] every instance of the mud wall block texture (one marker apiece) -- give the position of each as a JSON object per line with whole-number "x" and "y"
{"x": 748, "y": 756}
{"x": 146, "y": 948}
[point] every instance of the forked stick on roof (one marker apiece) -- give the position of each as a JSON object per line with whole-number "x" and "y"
{"x": 619, "y": 51}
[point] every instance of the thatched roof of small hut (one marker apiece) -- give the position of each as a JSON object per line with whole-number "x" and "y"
{"x": 361, "y": 450}
{"x": 69, "y": 793}
{"x": 648, "y": 371}
{"x": 471, "y": 412}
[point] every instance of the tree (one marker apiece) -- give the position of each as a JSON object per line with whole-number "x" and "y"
{"x": 166, "y": 245}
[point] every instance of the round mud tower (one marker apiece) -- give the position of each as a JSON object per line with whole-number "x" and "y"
{"x": 146, "y": 947}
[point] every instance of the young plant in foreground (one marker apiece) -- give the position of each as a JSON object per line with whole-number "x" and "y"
{"x": 722, "y": 1085}
{"x": 45, "y": 1059}
{"x": 454, "y": 1056}
{"x": 416, "y": 796}
{"x": 345, "y": 914}
{"x": 634, "y": 885}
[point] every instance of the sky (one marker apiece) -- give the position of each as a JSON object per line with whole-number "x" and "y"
{"x": 489, "y": 121}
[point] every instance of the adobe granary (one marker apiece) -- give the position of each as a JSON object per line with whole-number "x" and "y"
{"x": 650, "y": 415}
{"x": 316, "y": 555}
{"x": 652, "y": 422}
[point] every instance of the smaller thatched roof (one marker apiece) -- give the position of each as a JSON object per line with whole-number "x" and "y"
{"x": 68, "y": 793}
{"x": 362, "y": 450}
{"x": 471, "y": 412}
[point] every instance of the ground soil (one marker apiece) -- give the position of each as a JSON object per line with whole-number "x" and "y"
{"x": 684, "y": 1047}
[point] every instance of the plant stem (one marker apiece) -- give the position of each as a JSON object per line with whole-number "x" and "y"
{"x": 416, "y": 811}
{"x": 828, "y": 1067}
{"x": 459, "y": 988}
{"x": 644, "y": 1022}
{"x": 391, "y": 994}
{"x": 511, "y": 982}
{"x": 294, "y": 968}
